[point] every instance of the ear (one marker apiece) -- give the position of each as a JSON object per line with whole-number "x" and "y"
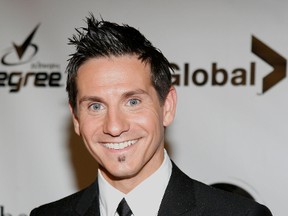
{"x": 75, "y": 120}
{"x": 169, "y": 107}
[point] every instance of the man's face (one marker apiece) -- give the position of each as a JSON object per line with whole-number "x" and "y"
{"x": 120, "y": 118}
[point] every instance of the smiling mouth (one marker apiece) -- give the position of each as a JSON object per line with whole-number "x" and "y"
{"x": 120, "y": 145}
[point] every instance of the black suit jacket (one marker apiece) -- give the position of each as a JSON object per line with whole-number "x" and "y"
{"x": 183, "y": 196}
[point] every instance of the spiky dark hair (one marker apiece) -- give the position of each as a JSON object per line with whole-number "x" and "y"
{"x": 104, "y": 39}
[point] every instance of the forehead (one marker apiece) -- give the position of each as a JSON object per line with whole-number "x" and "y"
{"x": 113, "y": 71}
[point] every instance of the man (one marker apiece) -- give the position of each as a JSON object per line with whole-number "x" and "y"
{"x": 121, "y": 99}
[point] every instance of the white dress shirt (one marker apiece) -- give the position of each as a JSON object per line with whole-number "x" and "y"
{"x": 145, "y": 199}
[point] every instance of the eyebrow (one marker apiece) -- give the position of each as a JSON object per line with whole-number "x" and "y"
{"x": 134, "y": 92}
{"x": 90, "y": 98}
{"x": 125, "y": 95}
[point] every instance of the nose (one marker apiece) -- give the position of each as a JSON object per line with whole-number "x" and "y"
{"x": 115, "y": 123}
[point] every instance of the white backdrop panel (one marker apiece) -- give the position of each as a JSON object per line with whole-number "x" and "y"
{"x": 221, "y": 134}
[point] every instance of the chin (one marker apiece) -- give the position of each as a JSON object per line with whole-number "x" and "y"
{"x": 119, "y": 171}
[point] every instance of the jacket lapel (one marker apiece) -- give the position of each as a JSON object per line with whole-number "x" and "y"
{"x": 178, "y": 199}
{"x": 179, "y": 195}
{"x": 88, "y": 204}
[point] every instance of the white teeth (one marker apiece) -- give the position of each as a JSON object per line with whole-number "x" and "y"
{"x": 119, "y": 146}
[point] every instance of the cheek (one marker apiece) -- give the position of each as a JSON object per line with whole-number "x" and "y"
{"x": 88, "y": 128}
{"x": 90, "y": 135}
{"x": 150, "y": 120}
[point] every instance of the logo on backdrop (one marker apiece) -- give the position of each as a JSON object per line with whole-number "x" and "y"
{"x": 274, "y": 59}
{"x": 2, "y": 213}
{"x": 40, "y": 74}
{"x": 21, "y": 53}
{"x": 219, "y": 76}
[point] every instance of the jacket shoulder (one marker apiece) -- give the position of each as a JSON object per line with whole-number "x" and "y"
{"x": 215, "y": 200}
{"x": 73, "y": 204}
{"x": 211, "y": 201}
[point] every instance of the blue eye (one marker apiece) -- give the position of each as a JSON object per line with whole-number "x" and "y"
{"x": 133, "y": 102}
{"x": 96, "y": 106}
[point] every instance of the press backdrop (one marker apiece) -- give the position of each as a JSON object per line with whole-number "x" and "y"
{"x": 230, "y": 74}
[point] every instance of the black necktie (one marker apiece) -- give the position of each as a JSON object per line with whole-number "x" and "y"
{"x": 123, "y": 209}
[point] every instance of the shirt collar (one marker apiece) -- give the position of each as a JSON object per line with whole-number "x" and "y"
{"x": 109, "y": 197}
{"x": 145, "y": 199}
